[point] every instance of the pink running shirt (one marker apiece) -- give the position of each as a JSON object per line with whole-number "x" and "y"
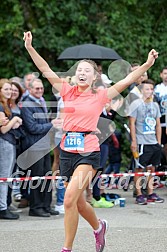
{"x": 81, "y": 113}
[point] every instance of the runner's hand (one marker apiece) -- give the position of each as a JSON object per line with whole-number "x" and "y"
{"x": 152, "y": 56}
{"x": 57, "y": 123}
{"x": 28, "y": 39}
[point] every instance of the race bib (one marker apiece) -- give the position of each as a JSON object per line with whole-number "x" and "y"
{"x": 149, "y": 125}
{"x": 74, "y": 141}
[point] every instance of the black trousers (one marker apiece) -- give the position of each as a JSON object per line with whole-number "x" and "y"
{"x": 41, "y": 190}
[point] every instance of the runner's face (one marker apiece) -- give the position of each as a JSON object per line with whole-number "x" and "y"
{"x": 85, "y": 74}
{"x": 147, "y": 91}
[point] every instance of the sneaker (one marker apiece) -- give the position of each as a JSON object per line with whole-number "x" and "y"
{"x": 102, "y": 203}
{"x": 60, "y": 209}
{"x": 141, "y": 200}
{"x": 100, "y": 236}
{"x": 154, "y": 198}
{"x": 66, "y": 250}
{"x": 112, "y": 196}
{"x": 14, "y": 209}
{"x": 143, "y": 191}
{"x": 7, "y": 215}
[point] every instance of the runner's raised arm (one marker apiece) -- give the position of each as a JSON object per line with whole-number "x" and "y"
{"x": 133, "y": 76}
{"x": 41, "y": 64}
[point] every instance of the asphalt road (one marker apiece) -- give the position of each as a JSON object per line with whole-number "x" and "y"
{"x": 133, "y": 228}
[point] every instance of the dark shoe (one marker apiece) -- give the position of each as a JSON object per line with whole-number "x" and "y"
{"x": 154, "y": 198}
{"x": 112, "y": 196}
{"x": 6, "y": 214}
{"x": 38, "y": 213}
{"x": 52, "y": 212}
{"x": 141, "y": 200}
{"x": 143, "y": 191}
{"x": 23, "y": 203}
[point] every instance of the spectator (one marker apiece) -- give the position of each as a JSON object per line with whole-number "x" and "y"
{"x": 134, "y": 88}
{"x": 28, "y": 78}
{"x": 114, "y": 164}
{"x": 104, "y": 132}
{"x": 161, "y": 97}
{"x": 24, "y": 188}
{"x": 19, "y": 81}
{"x": 105, "y": 80}
{"x": 57, "y": 111}
{"x": 145, "y": 133}
{"x": 37, "y": 149}
{"x": 7, "y": 145}
{"x": 17, "y": 92}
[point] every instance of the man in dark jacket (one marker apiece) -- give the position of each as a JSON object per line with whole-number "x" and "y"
{"x": 36, "y": 149}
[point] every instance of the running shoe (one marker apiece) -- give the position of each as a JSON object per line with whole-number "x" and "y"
{"x": 100, "y": 236}
{"x": 141, "y": 200}
{"x": 154, "y": 198}
{"x": 112, "y": 197}
{"x": 66, "y": 250}
{"x": 102, "y": 203}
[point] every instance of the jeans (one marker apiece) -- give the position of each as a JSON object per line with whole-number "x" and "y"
{"x": 7, "y": 161}
{"x": 113, "y": 167}
{"x": 16, "y": 184}
{"x": 60, "y": 190}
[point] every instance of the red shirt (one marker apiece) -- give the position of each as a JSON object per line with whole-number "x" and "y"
{"x": 81, "y": 113}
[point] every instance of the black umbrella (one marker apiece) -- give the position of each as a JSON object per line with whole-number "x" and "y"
{"x": 89, "y": 51}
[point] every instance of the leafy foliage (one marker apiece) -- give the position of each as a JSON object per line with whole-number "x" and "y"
{"x": 131, "y": 27}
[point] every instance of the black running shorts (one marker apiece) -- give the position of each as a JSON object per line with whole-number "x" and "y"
{"x": 69, "y": 162}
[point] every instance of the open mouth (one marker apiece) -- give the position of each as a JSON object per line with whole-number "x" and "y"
{"x": 82, "y": 78}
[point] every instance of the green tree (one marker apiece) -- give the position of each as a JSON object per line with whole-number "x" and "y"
{"x": 131, "y": 27}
